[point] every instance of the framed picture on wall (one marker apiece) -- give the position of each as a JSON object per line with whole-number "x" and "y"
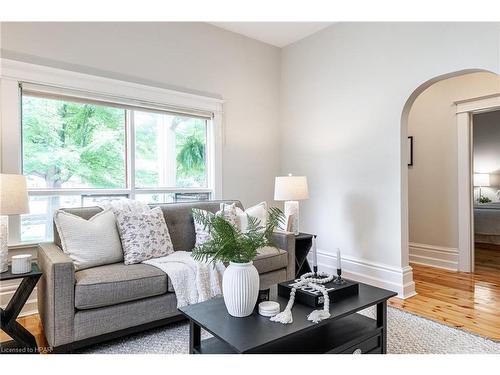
{"x": 410, "y": 151}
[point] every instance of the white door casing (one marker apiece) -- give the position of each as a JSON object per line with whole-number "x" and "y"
{"x": 465, "y": 110}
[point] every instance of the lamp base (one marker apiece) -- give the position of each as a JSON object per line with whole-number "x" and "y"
{"x": 292, "y": 215}
{"x": 4, "y": 237}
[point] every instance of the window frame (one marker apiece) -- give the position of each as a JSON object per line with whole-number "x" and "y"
{"x": 15, "y": 73}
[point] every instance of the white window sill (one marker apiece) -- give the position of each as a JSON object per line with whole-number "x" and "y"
{"x": 24, "y": 245}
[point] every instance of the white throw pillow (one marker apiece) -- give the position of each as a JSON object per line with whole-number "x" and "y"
{"x": 144, "y": 235}
{"x": 89, "y": 243}
{"x": 235, "y": 216}
{"x": 259, "y": 211}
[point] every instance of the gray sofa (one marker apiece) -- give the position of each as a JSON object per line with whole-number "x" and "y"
{"x": 88, "y": 306}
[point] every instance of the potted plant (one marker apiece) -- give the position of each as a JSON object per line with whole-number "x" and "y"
{"x": 228, "y": 244}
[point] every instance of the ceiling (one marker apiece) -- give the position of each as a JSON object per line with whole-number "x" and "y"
{"x": 278, "y": 34}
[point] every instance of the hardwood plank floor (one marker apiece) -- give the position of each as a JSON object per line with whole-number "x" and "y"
{"x": 470, "y": 301}
{"x": 33, "y": 324}
{"x": 465, "y": 300}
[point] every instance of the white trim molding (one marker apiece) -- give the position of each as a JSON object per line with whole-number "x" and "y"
{"x": 7, "y": 290}
{"x": 465, "y": 109}
{"x": 71, "y": 80}
{"x": 434, "y": 256}
{"x": 399, "y": 280}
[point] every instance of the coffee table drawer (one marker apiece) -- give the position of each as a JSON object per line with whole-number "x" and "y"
{"x": 366, "y": 346}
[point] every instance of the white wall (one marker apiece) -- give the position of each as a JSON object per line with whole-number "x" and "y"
{"x": 343, "y": 91}
{"x": 193, "y": 57}
{"x": 486, "y": 135}
{"x": 432, "y": 180}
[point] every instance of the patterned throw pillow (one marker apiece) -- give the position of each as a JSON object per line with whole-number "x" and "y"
{"x": 228, "y": 211}
{"x": 144, "y": 235}
{"x": 202, "y": 234}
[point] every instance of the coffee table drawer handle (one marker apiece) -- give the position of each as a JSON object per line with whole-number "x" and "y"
{"x": 357, "y": 351}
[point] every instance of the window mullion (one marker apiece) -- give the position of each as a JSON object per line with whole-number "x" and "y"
{"x": 131, "y": 153}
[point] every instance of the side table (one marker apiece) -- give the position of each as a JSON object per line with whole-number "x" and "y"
{"x": 303, "y": 244}
{"x": 24, "y": 341}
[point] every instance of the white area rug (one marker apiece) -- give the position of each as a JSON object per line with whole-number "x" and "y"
{"x": 407, "y": 334}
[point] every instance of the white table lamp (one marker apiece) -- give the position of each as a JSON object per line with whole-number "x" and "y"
{"x": 291, "y": 189}
{"x": 13, "y": 201}
{"x": 481, "y": 180}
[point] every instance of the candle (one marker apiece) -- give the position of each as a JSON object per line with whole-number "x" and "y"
{"x": 339, "y": 260}
{"x": 315, "y": 255}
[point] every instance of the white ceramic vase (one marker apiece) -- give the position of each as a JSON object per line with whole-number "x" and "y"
{"x": 240, "y": 287}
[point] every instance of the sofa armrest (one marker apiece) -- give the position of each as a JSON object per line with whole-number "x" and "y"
{"x": 286, "y": 241}
{"x": 56, "y": 294}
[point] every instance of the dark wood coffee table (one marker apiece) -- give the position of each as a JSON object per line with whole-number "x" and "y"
{"x": 344, "y": 332}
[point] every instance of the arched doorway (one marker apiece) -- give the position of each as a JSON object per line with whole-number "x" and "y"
{"x": 405, "y": 238}
{"x": 443, "y": 293}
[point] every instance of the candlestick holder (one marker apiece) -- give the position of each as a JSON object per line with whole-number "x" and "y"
{"x": 339, "y": 280}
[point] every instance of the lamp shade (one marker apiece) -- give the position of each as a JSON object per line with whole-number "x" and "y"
{"x": 290, "y": 188}
{"x": 481, "y": 179}
{"x": 13, "y": 194}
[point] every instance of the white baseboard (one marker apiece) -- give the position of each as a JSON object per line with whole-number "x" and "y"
{"x": 399, "y": 280}
{"x": 7, "y": 290}
{"x": 434, "y": 256}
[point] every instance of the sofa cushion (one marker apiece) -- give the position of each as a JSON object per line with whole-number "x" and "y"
{"x": 227, "y": 211}
{"x": 240, "y": 217}
{"x": 117, "y": 283}
{"x": 89, "y": 243}
{"x": 270, "y": 259}
{"x": 144, "y": 235}
{"x": 178, "y": 217}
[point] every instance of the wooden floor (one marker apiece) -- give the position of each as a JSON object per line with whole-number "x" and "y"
{"x": 470, "y": 301}
{"x": 31, "y": 323}
{"x": 459, "y": 299}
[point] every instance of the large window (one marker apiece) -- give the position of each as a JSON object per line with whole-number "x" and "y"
{"x": 79, "y": 152}
{"x": 169, "y": 150}
{"x": 73, "y": 145}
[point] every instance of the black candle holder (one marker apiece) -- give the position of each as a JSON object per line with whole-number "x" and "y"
{"x": 318, "y": 275}
{"x": 339, "y": 280}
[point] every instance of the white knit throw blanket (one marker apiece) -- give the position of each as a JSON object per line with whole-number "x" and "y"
{"x": 192, "y": 281}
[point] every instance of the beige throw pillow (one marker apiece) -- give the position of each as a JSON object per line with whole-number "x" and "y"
{"x": 89, "y": 243}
